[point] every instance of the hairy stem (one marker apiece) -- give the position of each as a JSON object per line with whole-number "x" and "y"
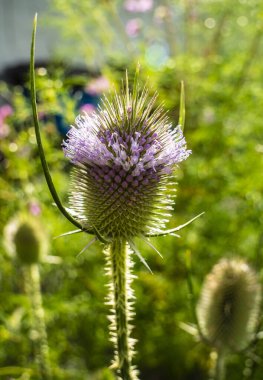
{"x": 119, "y": 269}
{"x": 39, "y": 328}
{"x": 219, "y": 369}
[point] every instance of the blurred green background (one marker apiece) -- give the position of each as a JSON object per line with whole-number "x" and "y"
{"x": 215, "y": 47}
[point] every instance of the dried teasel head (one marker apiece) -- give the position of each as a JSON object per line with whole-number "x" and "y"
{"x": 229, "y": 305}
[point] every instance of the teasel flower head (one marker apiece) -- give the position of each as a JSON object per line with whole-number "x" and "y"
{"x": 229, "y": 305}
{"x": 124, "y": 158}
{"x": 25, "y": 240}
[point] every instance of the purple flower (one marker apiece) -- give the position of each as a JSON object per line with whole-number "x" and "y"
{"x": 5, "y": 111}
{"x": 97, "y": 86}
{"x": 34, "y": 208}
{"x": 87, "y": 108}
{"x": 138, "y": 6}
{"x": 124, "y": 158}
{"x": 133, "y": 27}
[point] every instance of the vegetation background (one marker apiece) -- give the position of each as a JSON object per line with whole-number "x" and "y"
{"x": 215, "y": 47}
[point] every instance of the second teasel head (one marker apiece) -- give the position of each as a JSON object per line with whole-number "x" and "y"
{"x": 25, "y": 240}
{"x": 229, "y": 305}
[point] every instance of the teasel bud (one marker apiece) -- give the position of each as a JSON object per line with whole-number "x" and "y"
{"x": 229, "y": 305}
{"x": 24, "y": 239}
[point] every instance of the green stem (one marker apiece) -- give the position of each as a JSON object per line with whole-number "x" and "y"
{"x": 118, "y": 268}
{"x": 39, "y": 327}
{"x": 219, "y": 370}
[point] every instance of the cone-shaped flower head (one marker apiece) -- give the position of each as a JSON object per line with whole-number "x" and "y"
{"x": 229, "y": 305}
{"x": 124, "y": 158}
{"x": 24, "y": 239}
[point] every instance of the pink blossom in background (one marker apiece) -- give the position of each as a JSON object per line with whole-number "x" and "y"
{"x": 139, "y": 6}
{"x": 4, "y": 130}
{"x": 133, "y": 27}
{"x": 88, "y": 108}
{"x": 5, "y": 111}
{"x": 41, "y": 115}
{"x": 98, "y": 85}
{"x": 34, "y": 208}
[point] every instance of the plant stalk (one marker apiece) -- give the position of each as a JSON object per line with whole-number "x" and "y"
{"x": 119, "y": 269}
{"x": 220, "y": 370}
{"x": 38, "y": 325}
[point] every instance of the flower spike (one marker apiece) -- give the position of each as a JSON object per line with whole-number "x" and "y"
{"x": 152, "y": 246}
{"x": 68, "y": 233}
{"x": 87, "y": 246}
{"x": 137, "y": 253}
{"x": 172, "y": 230}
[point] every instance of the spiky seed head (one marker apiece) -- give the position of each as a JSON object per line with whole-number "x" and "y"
{"x": 124, "y": 158}
{"x": 24, "y": 239}
{"x": 229, "y": 305}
